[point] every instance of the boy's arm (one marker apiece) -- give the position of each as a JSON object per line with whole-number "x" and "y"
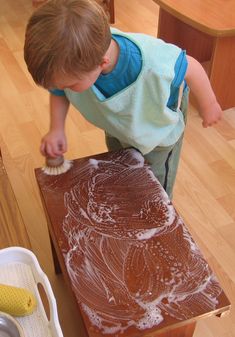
{"x": 198, "y": 82}
{"x": 54, "y": 142}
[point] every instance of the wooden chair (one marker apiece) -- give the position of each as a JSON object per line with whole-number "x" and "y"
{"x": 110, "y": 9}
{"x": 206, "y": 29}
{"x": 107, "y": 4}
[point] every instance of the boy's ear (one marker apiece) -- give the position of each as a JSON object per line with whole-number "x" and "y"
{"x": 105, "y": 62}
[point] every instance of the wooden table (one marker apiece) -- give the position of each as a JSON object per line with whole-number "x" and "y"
{"x": 126, "y": 254}
{"x": 206, "y": 29}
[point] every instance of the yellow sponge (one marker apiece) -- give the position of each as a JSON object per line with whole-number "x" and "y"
{"x": 16, "y": 301}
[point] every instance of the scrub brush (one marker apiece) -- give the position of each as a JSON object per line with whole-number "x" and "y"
{"x": 56, "y": 166}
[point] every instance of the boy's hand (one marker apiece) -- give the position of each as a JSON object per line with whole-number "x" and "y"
{"x": 53, "y": 144}
{"x": 199, "y": 84}
{"x": 211, "y": 115}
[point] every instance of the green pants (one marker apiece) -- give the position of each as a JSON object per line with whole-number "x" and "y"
{"x": 164, "y": 161}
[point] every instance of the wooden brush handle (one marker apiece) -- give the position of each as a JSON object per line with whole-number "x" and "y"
{"x": 54, "y": 162}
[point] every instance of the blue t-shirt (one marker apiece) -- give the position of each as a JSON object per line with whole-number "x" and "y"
{"x": 127, "y": 70}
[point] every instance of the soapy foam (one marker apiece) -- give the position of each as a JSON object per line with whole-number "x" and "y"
{"x": 123, "y": 256}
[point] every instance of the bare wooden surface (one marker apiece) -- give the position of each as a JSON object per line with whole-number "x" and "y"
{"x": 205, "y": 188}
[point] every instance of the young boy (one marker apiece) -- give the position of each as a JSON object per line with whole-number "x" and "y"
{"x": 133, "y": 86}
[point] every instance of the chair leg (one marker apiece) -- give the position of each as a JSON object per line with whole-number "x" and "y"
{"x": 112, "y": 12}
{"x": 110, "y": 6}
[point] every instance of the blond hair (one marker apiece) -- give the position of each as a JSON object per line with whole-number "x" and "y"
{"x": 65, "y": 37}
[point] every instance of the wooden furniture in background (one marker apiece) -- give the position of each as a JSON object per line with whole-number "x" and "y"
{"x": 206, "y": 29}
{"x": 107, "y": 4}
{"x": 128, "y": 257}
{"x": 110, "y": 6}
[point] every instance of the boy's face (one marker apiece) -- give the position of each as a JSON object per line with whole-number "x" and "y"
{"x": 80, "y": 84}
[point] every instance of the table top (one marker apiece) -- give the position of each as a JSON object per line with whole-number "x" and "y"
{"x": 133, "y": 266}
{"x": 214, "y": 17}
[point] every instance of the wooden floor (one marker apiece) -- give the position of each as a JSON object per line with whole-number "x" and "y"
{"x": 205, "y": 188}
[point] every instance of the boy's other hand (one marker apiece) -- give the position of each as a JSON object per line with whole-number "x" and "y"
{"x": 211, "y": 115}
{"x": 53, "y": 144}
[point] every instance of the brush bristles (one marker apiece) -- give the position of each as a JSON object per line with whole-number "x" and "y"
{"x": 56, "y": 170}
